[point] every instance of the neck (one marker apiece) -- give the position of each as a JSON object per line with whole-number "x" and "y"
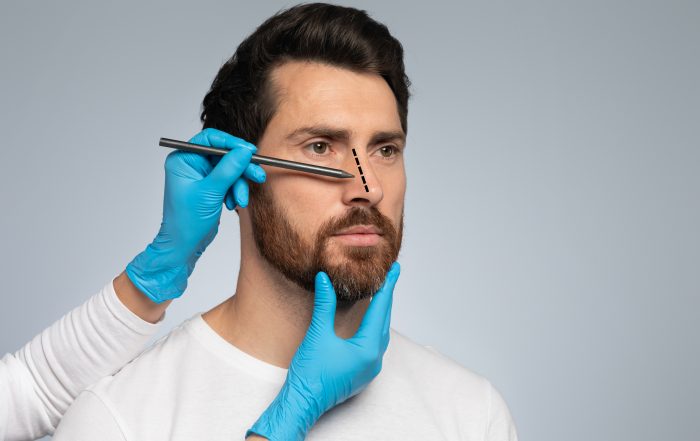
{"x": 268, "y": 316}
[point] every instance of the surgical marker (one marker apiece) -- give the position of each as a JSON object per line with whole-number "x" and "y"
{"x": 258, "y": 159}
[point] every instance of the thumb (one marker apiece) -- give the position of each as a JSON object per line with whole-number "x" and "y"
{"x": 324, "y": 304}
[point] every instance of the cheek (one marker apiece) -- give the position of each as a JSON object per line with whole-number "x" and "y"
{"x": 394, "y": 191}
{"x": 305, "y": 201}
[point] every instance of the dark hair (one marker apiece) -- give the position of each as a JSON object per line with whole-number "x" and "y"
{"x": 240, "y": 100}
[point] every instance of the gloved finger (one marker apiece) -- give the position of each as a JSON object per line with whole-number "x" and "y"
{"x": 229, "y": 169}
{"x": 385, "y": 330}
{"x": 240, "y": 192}
{"x": 374, "y": 320}
{"x": 387, "y": 321}
{"x": 217, "y": 138}
{"x": 228, "y": 200}
{"x": 323, "y": 319}
{"x": 255, "y": 173}
{"x": 191, "y": 166}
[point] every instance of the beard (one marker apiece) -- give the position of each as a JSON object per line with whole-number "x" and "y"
{"x": 357, "y": 272}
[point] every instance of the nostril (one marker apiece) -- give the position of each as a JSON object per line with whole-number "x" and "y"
{"x": 360, "y": 200}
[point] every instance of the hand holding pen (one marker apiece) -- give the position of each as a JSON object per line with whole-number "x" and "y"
{"x": 195, "y": 191}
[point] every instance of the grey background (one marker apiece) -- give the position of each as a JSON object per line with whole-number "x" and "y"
{"x": 551, "y": 217}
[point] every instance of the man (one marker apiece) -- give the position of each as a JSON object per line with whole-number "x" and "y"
{"x": 326, "y": 85}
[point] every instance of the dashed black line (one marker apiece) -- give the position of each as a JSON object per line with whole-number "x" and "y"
{"x": 357, "y": 161}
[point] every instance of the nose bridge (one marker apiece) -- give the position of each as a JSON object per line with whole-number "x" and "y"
{"x": 365, "y": 187}
{"x": 361, "y": 172}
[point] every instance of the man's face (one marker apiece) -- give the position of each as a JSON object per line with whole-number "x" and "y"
{"x": 305, "y": 223}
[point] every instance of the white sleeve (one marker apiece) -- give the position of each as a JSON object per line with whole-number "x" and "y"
{"x": 88, "y": 419}
{"x": 4, "y": 401}
{"x": 500, "y": 425}
{"x": 40, "y": 381}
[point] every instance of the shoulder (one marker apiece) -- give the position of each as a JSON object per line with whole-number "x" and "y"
{"x": 87, "y": 419}
{"x": 99, "y": 411}
{"x": 145, "y": 381}
{"x": 426, "y": 363}
{"x": 451, "y": 387}
{"x": 152, "y": 366}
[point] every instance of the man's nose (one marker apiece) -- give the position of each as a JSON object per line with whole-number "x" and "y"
{"x": 365, "y": 189}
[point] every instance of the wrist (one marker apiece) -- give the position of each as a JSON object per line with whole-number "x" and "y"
{"x": 136, "y": 301}
{"x": 159, "y": 273}
{"x": 288, "y": 418}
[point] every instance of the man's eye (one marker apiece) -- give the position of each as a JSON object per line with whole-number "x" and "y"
{"x": 319, "y": 148}
{"x": 388, "y": 151}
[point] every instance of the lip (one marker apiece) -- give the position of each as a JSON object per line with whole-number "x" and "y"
{"x": 359, "y": 235}
{"x": 359, "y": 229}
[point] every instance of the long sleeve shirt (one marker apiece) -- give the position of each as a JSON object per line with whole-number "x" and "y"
{"x": 40, "y": 381}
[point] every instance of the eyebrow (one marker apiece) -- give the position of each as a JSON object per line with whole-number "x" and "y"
{"x": 344, "y": 135}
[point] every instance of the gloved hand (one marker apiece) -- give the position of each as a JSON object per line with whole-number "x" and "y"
{"x": 326, "y": 369}
{"x": 195, "y": 190}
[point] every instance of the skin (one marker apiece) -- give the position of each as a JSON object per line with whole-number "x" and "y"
{"x": 269, "y": 316}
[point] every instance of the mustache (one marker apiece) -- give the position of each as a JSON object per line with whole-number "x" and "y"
{"x": 358, "y": 216}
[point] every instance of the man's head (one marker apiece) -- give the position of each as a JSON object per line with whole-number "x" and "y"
{"x": 322, "y": 84}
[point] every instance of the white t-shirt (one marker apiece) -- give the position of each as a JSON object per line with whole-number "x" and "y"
{"x": 194, "y": 385}
{"x": 40, "y": 381}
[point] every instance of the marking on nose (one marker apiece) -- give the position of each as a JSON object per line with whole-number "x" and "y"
{"x": 357, "y": 161}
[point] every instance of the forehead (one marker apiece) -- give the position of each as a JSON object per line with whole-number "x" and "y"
{"x": 310, "y": 93}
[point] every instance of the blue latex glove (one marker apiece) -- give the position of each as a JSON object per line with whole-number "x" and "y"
{"x": 326, "y": 369}
{"x": 195, "y": 190}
